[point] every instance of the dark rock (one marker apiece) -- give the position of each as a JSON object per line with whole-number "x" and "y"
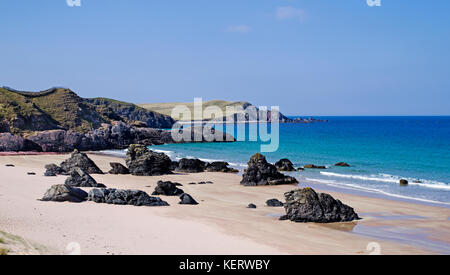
{"x": 167, "y": 188}
{"x": 220, "y": 166}
{"x": 62, "y": 192}
{"x": 10, "y": 165}
{"x": 13, "y": 143}
{"x": 52, "y": 170}
{"x": 312, "y": 166}
{"x": 300, "y": 169}
{"x": 174, "y": 165}
{"x": 79, "y": 178}
{"x": 202, "y": 183}
{"x": 252, "y": 206}
{"x": 191, "y": 166}
{"x": 342, "y": 164}
{"x": 274, "y": 203}
{"x": 192, "y": 183}
{"x": 143, "y": 162}
{"x": 80, "y": 160}
{"x": 31, "y": 174}
{"x": 285, "y": 165}
{"x": 404, "y": 182}
{"x": 305, "y": 205}
{"x": 259, "y": 172}
{"x": 118, "y": 169}
{"x": 124, "y": 197}
{"x": 187, "y": 199}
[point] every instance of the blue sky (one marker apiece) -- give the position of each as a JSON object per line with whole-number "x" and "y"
{"x": 310, "y": 57}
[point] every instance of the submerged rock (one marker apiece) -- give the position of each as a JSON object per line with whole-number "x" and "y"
{"x": 143, "y": 162}
{"x": 274, "y": 203}
{"x": 187, "y": 199}
{"x": 80, "y": 160}
{"x": 118, "y": 169}
{"x": 124, "y": 197}
{"x": 220, "y": 166}
{"x": 62, "y": 193}
{"x": 167, "y": 188}
{"x": 404, "y": 182}
{"x": 285, "y": 165}
{"x": 305, "y": 205}
{"x": 312, "y": 166}
{"x": 342, "y": 164}
{"x": 79, "y": 178}
{"x": 191, "y": 166}
{"x": 259, "y": 172}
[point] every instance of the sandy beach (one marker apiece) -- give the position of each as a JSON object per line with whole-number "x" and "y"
{"x": 220, "y": 224}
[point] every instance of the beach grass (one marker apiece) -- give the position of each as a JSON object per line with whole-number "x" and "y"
{"x": 4, "y": 251}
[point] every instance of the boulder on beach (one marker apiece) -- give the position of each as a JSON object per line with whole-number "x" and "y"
{"x": 404, "y": 182}
{"x": 251, "y": 206}
{"x": 143, "y": 162}
{"x": 187, "y": 199}
{"x": 285, "y": 165}
{"x": 167, "y": 188}
{"x": 259, "y": 172}
{"x": 79, "y": 178}
{"x": 342, "y": 164}
{"x": 80, "y": 160}
{"x": 305, "y": 205}
{"x": 118, "y": 169}
{"x": 312, "y": 166}
{"x": 220, "y": 166}
{"x": 10, "y": 165}
{"x": 62, "y": 193}
{"x": 124, "y": 197}
{"x": 274, "y": 203}
{"x": 52, "y": 170}
{"x": 191, "y": 166}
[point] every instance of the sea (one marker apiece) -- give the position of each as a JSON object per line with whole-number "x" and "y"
{"x": 380, "y": 150}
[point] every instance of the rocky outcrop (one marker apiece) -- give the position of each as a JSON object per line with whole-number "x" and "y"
{"x": 13, "y": 143}
{"x": 52, "y": 170}
{"x": 259, "y": 172}
{"x": 143, "y": 162}
{"x": 187, "y": 199}
{"x": 124, "y": 197}
{"x": 342, "y": 164}
{"x": 220, "y": 166}
{"x": 191, "y": 166}
{"x": 285, "y": 165}
{"x": 80, "y": 160}
{"x": 274, "y": 203}
{"x": 79, "y": 178}
{"x": 404, "y": 182}
{"x": 118, "y": 169}
{"x": 305, "y": 205}
{"x": 62, "y": 193}
{"x": 167, "y": 188}
{"x": 312, "y": 166}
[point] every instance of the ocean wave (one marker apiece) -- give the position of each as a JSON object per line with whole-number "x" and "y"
{"x": 391, "y": 179}
{"x": 371, "y": 190}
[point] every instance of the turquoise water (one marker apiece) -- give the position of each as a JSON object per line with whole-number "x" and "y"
{"x": 381, "y": 150}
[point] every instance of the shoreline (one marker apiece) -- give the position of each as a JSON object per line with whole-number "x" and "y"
{"x": 221, "y": 224}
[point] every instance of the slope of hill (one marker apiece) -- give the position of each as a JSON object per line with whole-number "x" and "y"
{"x": 60, "y": 108}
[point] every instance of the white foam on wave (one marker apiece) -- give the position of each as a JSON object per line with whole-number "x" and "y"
{"x": 371, "y": 190}
{"x": 391, "y": 179}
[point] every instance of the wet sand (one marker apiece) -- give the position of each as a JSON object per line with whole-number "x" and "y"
{"x": 221, "y": 224}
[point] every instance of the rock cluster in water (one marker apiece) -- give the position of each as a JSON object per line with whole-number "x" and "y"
{"x": 259, "y": 172}
{"x": 305, "y": 205}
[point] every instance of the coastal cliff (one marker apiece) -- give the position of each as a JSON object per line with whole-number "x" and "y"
{"x": 58, "y": 120}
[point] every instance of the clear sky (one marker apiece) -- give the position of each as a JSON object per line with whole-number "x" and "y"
{"x": 310, "y": 57}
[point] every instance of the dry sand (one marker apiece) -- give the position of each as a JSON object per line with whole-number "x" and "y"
{"x": 221, "y": 224}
